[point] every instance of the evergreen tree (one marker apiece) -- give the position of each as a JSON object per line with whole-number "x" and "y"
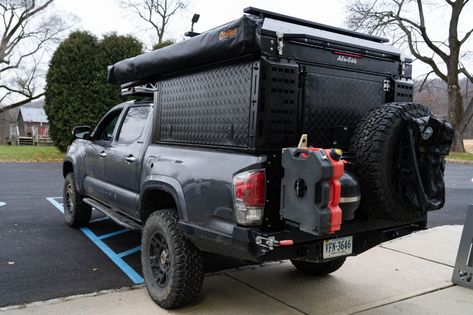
{"x": 165, "y": 43}
{"x": 77, "y": 91}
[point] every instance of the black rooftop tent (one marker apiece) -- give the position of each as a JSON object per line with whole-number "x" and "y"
{"x": 238, "y": 38}
{"x": 234, "y": 39}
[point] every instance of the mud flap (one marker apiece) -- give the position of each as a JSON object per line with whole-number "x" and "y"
{"x": 429, "y": 142}
{"x": 306, "y": 191}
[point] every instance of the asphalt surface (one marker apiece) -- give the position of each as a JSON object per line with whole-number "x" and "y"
{"x": 459, "y": 194}
{"x": 41, "y": 258}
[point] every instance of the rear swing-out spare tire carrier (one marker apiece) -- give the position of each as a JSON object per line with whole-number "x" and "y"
{"x": 399, "y": 151}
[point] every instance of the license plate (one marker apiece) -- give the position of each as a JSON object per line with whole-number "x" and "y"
{"x": 336, "y": 247}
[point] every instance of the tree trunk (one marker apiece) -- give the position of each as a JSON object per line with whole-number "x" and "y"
{"x": 457, "y": 144}
{"x": 467, "y": 118}
{"x": 455, "y": 113}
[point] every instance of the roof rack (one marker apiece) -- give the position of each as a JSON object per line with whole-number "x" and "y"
{"x": 146, "y": 89}
{"x": 285, "y": 18}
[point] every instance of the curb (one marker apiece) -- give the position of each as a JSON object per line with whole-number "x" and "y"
{"x": 68, "y": 298}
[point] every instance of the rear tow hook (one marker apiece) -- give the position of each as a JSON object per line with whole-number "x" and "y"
{"x": 271, "y": 242}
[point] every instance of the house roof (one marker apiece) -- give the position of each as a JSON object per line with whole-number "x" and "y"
{"x": 33, "y": 115}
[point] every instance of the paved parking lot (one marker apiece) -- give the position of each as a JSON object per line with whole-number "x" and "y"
{"x": 41, "y": 258}
{"x": 121, "y": 245}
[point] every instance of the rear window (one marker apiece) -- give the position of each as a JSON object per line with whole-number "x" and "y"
{"x": 133, "y": 124}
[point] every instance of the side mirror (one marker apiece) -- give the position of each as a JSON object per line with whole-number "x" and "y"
{"x": 82, "y": 132}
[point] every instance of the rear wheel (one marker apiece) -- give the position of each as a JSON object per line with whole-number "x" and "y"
{"x": 172, "y": 265}
{"x": 76, "y": 212}
{"x": 319, "y": 269}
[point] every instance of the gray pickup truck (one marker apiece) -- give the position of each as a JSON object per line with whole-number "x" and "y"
{"x": 267, "y": 138}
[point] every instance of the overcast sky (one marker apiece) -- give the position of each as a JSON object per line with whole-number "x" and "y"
{"x": 102, "y": 16}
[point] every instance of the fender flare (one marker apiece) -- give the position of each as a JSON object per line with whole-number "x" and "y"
{"x": 169, "y": 185}
{"x": 67, "y": 159}
{"x": 72, "y": 160}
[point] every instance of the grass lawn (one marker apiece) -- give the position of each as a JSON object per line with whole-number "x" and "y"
{"x": 465, "y": 156}
{"x": 9, "y": 153}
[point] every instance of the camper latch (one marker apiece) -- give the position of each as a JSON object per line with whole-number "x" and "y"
{"x": 280, "y": 42}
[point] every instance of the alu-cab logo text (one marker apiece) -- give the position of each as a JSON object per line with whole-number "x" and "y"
{"x": 346, "y": 59}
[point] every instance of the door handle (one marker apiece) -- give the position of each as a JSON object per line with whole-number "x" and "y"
{"x": 130, "y": 159}
{"x": 103, "y": 154}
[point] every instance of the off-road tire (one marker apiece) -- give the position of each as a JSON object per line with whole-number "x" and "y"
{"x": 319, "y": 269}
{"x": 376, "y": 146}
{"x": 184, "y": 263}
{"x": 76, "y": 212}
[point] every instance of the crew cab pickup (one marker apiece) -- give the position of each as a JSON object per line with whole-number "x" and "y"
{"x": 268, "y": 138}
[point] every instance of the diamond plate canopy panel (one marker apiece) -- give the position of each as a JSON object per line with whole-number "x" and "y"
{"x": 208, "y": 107}
{"x": 334, "y": 105}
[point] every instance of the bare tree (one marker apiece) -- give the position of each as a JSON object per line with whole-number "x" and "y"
{"x": 404, "y": 21}
{"x": 157, "y": 13}
{"x": 26, "y": 30}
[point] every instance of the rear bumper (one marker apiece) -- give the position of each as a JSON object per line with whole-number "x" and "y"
{"x": 242, "y": 244}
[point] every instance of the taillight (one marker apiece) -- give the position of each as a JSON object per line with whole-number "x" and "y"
{"x": 249, "y": 190}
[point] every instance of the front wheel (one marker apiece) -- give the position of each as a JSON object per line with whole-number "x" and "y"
{"x": 76, "y": 212}
{"x": 319, "y": 269}
{"x": 172, "y": 265}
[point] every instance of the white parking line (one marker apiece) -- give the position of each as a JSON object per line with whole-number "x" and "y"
{"x": 2, "y": 203}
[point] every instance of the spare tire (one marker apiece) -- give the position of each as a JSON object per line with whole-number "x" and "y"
{"x": 379, "y": 150}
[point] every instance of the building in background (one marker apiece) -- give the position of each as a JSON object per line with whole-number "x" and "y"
{"x": 33, "y": 122}
{"x": 27, "y": 125}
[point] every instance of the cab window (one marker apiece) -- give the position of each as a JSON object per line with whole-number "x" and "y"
{"x": 106, "y": 126}
{"x": 133, "y": 125}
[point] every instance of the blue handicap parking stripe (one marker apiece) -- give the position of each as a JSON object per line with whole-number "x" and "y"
{"x": 116, "y": 258}
{"x": 130, "y": 251}
{"x": 55, "y": 203}
{"x": 99, "y": 219}
{"x": 112, "y": 234}
{"x": 132, "y": 274}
